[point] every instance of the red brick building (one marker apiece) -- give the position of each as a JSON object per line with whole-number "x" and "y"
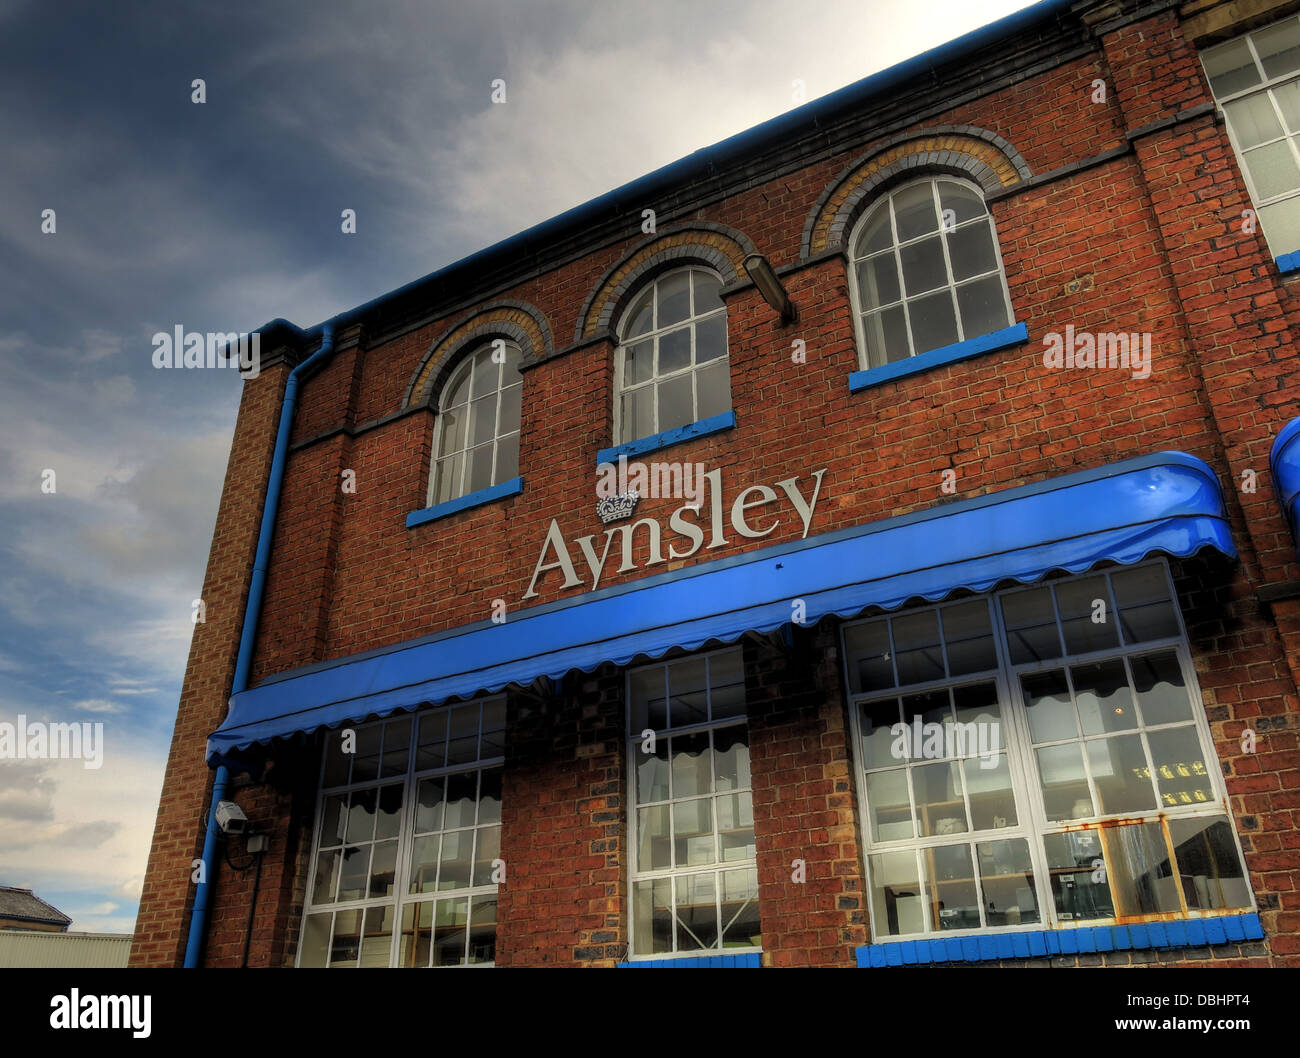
{"x": 958, "y": 613}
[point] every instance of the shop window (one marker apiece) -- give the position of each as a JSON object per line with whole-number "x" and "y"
{"x": 1256, "y": 82}
{"x": 476, "y": 437}
{"x": 927, "y": 271}
{"x": 671, "y": 368}
{"x": 1038, "y": 758}
{"x": 408, "y": 842}
{"x": 694, "y": 871}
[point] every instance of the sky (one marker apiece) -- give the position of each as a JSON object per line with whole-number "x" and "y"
{"x": 224, "y": 214}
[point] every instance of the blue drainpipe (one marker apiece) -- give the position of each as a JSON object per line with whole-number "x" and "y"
{"x": 247, "y": 638}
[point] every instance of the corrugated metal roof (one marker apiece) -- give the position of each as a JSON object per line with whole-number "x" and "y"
{"x": 35, "y": 950}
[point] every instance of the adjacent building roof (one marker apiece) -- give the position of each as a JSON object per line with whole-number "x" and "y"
{"x": 24, "y": 904}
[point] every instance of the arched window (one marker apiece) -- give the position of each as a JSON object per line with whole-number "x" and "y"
{"x": 671, "y": 368}
{"x": 476, "y": 440}
{"x": 928, "y": 272}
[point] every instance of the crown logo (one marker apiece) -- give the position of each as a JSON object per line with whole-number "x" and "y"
{"x": 614, "y": 508}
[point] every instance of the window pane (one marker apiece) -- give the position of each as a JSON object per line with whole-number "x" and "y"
{"x": 649, "y": 691}
{"x": 449, "y": 932}
{"x": 914, "y": 212}
{"x": 1079, "y": 601}
{"x": 888, "y": 805}
{"x": 487, "y": 850}
{"x": 653, "y": 851}
{"x": 447, "y": 479}
{"x": 346, "y": 944}
{"x": 1137, "y": 866}
{"x": 731, "y": 757}
{"x": 916, "y": 641}
{"x": 871, "y": 666}
{"x": 640, "y": 317}
{"x": 674, "y": 294}
{"x": 489, "y": 796}
{"x": 462, "y": 795}
{"x": 397, "y": 748}
{"x": 878, "y": 281}
{"x": 383, "y": 870}
{"x": 931, "y": 709}
{"x": 1281, "y": 222}
{"x": 638, "y": 363}
{"x": 361, "y": 816}
{"x": 923, "y": 267}
{"x": 637, "y": 414}
{"x": 352, "y": 873}
{"x": 983, "y": 306}
{"x": 675, "y": 350}
{"x": 965, "y": 202}
{"x": 726, "y": 685}
{"x": 337, "y": 762}
{"x": 479, "y": 475}
{"x": 710, "y": 339}
{"x": 1279, "y": 48}
{"x": 1287, "y": 97}
{"x": 895, "y": 894}
{"x": 697, "y": 912}
{"x": 1077, "y": 871}
{"x": 482, "y": 929}
{"x": 1161, "y": 694}
{"x": 878, "y": 720}
{"x": 740, "y": 924}
{"x": 1253, "y": 121}
{"x": 687, "y": 692}
{"x": 507, "y": 459}
{"x": 652, "y": 930}
{"x": 968, "y": 637}
{"x": 510, "y": 399}
{"x": 954, "y": 903}
{"x": 424, "y": 864}
{"x": 1181, "y": 771}
{"x": 706, "y": 289}
{"x": 691, "y": 771}
{"x": 1103, "y": 697}
{"x": 939, "y": 801}
{"x": 333, "y": 821}
{"x": 1208, "y": 863}
{"x": 431, "y": 742}
{"x": 652, "y": 772}
{"x": 389, "y": 819}
{"x": 876, "y": 234}
{"x": 971, "y": 251}
{"x": 365, "y": 764}
{"x": 1064, "y": 785}
{"x": 693, "y": 833}
{"x": 453, "y": 431}
{"x": 1231, "y": 69}
{"x": 1047, "y": 700}
{"x": 1031, "y": 626}
{"x": 675, "y": 403}
{"x": 1273, "y": 168}
{"x": 1007, "y": 875}
{"x": 417, "y": 934}
{"x": 713, "y": 383}
{"x": 326, "y": 878}
{"x": 484, "y": 374}
{"x": 885, "y": 334}
{"x": 992, "y": 801}
{"x": 1145, "y": 610}
{"x": 1120, "y": 773}
{"x": 453, "y": 864}
{"x": 933, "y": 323}
{"x": 315, "y": 941}
{"x": 457, "y": 391}
{"x": 735, "y": 827}
{"x": 428, "y": 806}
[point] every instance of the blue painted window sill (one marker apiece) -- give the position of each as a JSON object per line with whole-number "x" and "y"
{"x": 1038, "y": 944}
{"x": 752, "y": 961}
{"x": 463, "y": 503}
{"x": 948, "y": 354}
{"x": 1289, "y": 262}
{"x": 714, "y": 424}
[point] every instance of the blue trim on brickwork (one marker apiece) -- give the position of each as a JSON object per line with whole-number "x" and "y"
{"x": 1289, "y": 262}
{"x": 713, "y": 424}
{"x": 949, "y": 354}
{"x": 463, "y": 503}
{"x": 752, "y": 961}
{"x": 1028, "y": 944}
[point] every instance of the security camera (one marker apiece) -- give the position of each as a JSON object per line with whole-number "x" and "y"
{"x": 231, "y": 818}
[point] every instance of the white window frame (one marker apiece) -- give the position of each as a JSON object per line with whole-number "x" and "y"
{"x": 855, "y": 297}
{"x": 464, "y": 370}
{"x": 635, "y": 875}
{"x": 410, "y": 780}
{"x": 1032, "y": 823}
{"x": 656, "y": 379}
{"x": 1292, "y": 139}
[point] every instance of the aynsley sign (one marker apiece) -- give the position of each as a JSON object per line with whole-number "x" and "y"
{"x": 747, "y": 517}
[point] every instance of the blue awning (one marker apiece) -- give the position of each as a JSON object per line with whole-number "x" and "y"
{"x": 1168, "y": 502}
{"x": 1284, "y": 461}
